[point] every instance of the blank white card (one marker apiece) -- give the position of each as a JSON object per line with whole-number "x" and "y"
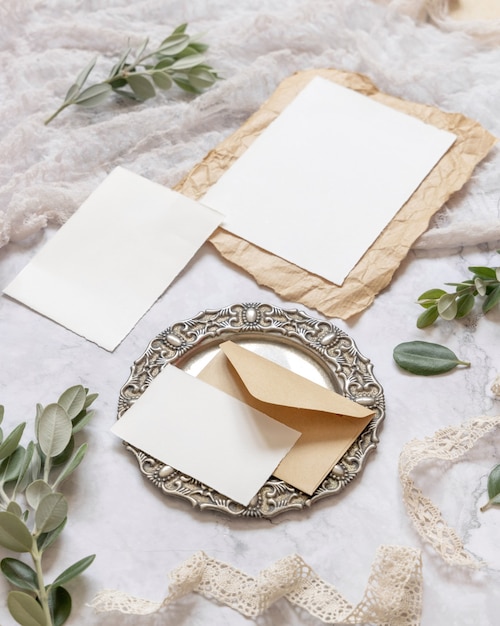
{"x": 114, "y": 257}
{"x": 323, "y": 180}
{"x": 206, "y": 434}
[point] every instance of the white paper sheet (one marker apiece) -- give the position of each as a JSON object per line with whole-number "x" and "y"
{"x": 324, "y": 179}
{"x": 114, "y": 257}
{"x": 206, "y": 434}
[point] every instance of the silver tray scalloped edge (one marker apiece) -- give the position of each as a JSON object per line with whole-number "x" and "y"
{"x": 330, "y": 349}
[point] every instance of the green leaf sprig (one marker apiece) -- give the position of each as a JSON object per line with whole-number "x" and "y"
{"x": 179, "y": 59}
{"x": 425, "y": 358}
{"x": 33, "y": 511}
{"x": 485, "y": 282}
{"x": 493, "y": 489}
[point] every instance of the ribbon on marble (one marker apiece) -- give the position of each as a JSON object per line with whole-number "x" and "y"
{"x": 393, "y": 595}
{"x": 450, "y": 444}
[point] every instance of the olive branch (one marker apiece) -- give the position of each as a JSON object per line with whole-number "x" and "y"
{"x": 179, "y": 60}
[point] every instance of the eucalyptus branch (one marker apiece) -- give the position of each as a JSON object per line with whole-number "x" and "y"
{"x": 179, "y": 59}
{"x": 33, "y": 512}
{"x": 485, "y": 283}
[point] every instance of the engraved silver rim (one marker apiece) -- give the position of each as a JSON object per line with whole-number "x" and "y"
{"x": 349, "y": 371}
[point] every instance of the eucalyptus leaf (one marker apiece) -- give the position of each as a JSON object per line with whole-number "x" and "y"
{"x": 493, "y": 489}
{"x": 82, "y": 420}
{"x": 83, "y": 75}
{"x": 38, "y": 414}
{"x": 25, "y": 609}
{"x": 427, "y": 317}
{"x": 37, "y": 490}
{"x": 73, "y": 400}
{"x": 188, "y": 62}
{"x": 162, "y": 80}
{"x": 59, "y": 605}
{"x": 142, "y": 87}
{"x": 11, "y": 442}
{"x": 494, "y": 482}
{"x": 182, "y": 81}
{"x": 80, "y": 79}
{"x": 425, "y": 358}
{"x": 74, "y": 570}
{"x": 14, "y": 534}
{"x": 2, "y": 412}
{"x": 492, "y": 299}
{"x": 447, "y": 306}
{"x": 141, "y": 48}
{"x": 429, "y": 297}
{"x": 486, "y": 273}
{"x": 15, "y": 508}
{"x": 174, "y": 44}
{"x": 11, "y": 467}
{"x": 465, "y": 304}
{"x": 480, "y": 286}
{"x": 51, "y": 512}
{"x": 180, "y": 29}
{"x": 94, "y": 95}
{"x": 201, "y": 78}
{"x": 118, "y": 66}
{"x": 66, "y": 453}
{"x": 45, "y": 540}
{"x": 28, "y": 456}
{"x": 72, "y": 464}
{"x": 19, "y": 574}
{"x": 91, "y": 397}
{"x": 54, "y": 430}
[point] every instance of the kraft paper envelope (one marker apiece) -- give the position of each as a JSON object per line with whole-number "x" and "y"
{"x": 328, "y": 421}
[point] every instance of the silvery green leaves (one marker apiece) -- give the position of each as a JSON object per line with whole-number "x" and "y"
{"x": 179, "y": 60}
{"x": 33, "y": 511}
{"x": 485, "y": 283}
{"x": 493, "y": 489}
{"x": 425, "y": 358}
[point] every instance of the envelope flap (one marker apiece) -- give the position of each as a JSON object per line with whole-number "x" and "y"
{"x": 269, "y": 382}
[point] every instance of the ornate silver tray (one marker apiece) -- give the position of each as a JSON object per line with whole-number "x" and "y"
{"x": 311, "y": 347}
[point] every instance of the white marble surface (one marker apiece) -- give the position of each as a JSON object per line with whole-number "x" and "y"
{"x": 139, "y": 535}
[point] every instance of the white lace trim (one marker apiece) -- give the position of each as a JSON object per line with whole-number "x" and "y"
{"x": 450, "y": 443}
{"x": 393, "y": 595}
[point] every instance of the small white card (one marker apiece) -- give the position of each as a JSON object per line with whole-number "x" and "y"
{"x": 114, "y": 257}
{"x": 325, "y": 178}
{"x": 206, "y": 434}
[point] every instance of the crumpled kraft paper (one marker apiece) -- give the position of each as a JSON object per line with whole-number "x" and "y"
{"x": 376, "y": 268}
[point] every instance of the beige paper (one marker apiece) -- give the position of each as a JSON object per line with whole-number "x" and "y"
{"x": 328, "y": 421}
{"x": 375, "y": 269}
{"x": 474, "y": 9}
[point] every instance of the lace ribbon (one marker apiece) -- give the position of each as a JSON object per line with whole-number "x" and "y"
{"x": 450, "y": 443}
{"x": 393, "y": 595}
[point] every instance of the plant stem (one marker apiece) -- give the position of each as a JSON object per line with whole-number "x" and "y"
{"x": 56, "y": 113}
{"x": 43, "y": 597}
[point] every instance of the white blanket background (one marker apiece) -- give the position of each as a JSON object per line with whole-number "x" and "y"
{"x": 47, "y": 171}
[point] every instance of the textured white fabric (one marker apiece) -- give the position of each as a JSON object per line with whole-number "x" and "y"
{"x": 393, "y": 595}
{"x": 47, "y": 171}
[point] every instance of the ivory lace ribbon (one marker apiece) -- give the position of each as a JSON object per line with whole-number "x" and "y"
{"x": 450, "y": 443}
{"x": 393, "y": 595}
